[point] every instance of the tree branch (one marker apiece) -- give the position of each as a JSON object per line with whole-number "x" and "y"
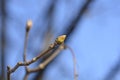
{"x": 48, "y": 60}
{"x": 26, "y": 63}
{"x": 29, "y": 62}
{"x": 28, "y": 27}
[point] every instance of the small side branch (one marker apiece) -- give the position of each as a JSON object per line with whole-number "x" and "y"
{"x": 47, "y": 61}
{"x": 28, "y": 27}
{"x": 74, "y": 61}
{"x": 28, "y": 62}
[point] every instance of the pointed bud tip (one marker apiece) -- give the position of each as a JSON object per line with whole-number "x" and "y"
{"x": 61, "y": 39}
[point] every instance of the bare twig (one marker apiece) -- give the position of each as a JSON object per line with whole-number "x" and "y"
{"x": 28, "y": 26}
{"x": 29, "y": 62}
{"x": 8, "y": 73}
{"x": 48, "y": 60}
{"x": 74, "y": 61}
{"x": 3, "y": 17}
{"x": 52, "y": 57}
{"x": 42, "y": 65}
{"x": 57, "y": 42}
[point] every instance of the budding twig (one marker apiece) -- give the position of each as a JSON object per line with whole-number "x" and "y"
{"x": 57, "y": 42}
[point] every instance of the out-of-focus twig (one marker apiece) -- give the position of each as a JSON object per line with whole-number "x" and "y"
{"x": 71, "y": 28}
{"x": 3, "y": 11}
{"x": 49, "y": 32}
{"x": 113, "y": 72}
{"x": 28, "y": 62}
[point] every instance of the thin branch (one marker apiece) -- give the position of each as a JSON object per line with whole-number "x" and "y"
{"x": 29, "y": 62}
{"x": 52, "y": 57}
{"x": 74, "y": 61}
{"x": 113, "y": 72}
{"x": 48, "y": 60}
{"x": 49, "y": 15}
{"x": 52, "y": 46}
{"x": 8, "y": 73}
{"x": 41, "y": 67}
{"x": 26, "y": 75}
{"x": 28, "y": 27}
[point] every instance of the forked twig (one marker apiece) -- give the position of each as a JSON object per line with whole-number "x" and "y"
{"x": 42, "y": 65}
{"x": 57, "y": 42}
{"x": 28, "y": 62}
{"x": 51, "y": 57}
{"x": 48, "y": 60}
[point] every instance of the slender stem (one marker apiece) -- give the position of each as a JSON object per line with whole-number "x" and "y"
{"x": 29, "y": 62}
{"x": 25, "y": 47}
{"x": 74, "y": 61}
{"x": 47, "y": 61}
{"x": 24, "y": 56}
{"x": 3, "y": 28}
{"x": 26, "y": 76}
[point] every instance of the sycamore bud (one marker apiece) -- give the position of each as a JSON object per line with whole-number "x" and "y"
{"x": 60, "y": 39}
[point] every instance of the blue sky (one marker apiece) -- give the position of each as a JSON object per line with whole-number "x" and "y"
{"x": 95, "y": 42}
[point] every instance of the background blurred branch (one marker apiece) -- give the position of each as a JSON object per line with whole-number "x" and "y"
{"x": 73, "y": 26}
{"x": 3, "y": 24}
{"x": 47, "y": 36}
{"x": 113, "y": 71}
